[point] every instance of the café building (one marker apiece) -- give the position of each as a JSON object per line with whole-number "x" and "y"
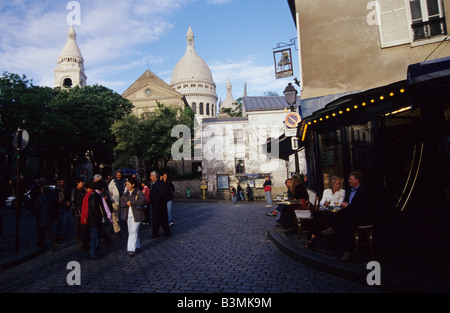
{"x": 398, "y": 135}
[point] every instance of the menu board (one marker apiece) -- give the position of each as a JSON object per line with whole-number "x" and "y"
{"x": 222, "y": 182}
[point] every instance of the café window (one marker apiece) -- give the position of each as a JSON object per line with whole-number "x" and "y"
{"x": 239, "y": 165}
{"x": 362, "y": 154}
{"x": 332, "y": 161}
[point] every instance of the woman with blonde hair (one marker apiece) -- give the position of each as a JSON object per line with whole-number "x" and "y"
{"x": 334, "y": 195}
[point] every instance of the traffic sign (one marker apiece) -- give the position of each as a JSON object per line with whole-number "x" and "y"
{"x": 293, "y": 119}
{"x": 20, "y": 140}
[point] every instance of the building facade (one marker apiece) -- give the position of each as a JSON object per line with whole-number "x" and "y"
{"x": 377, "y": 102}
{"x": 148, "y": 90}
{"x": 355, "y": 45}
{"x": 237, "y": 150}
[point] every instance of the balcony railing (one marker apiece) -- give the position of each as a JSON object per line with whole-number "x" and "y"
{"x": 428, "y": 29}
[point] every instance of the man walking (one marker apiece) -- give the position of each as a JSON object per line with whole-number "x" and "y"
{"x": 116, "y": 189}
{"x": 158, "y": 198}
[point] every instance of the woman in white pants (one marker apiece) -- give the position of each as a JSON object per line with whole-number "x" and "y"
{"x": 133, "y": 210}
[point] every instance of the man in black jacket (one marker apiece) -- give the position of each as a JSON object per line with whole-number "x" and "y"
{"x": 357, "y": 209}
{"x": 95, "y": 218}
{"x": 158, "y": 199}
{"x": 45, "y": 209}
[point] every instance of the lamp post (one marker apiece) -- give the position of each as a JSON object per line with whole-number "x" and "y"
{"x": 20, "y": 141}
{"x": 290, "y": 93}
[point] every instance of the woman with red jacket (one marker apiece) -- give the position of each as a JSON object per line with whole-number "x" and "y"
{"x": 268, "y": 191}
{"x": 93, "y": 214}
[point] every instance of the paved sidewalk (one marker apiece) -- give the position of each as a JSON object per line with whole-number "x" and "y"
{"x": 403, "y": 269}
{"x": 9, "y": 257}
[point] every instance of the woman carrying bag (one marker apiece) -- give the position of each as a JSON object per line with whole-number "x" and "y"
{"x": 133, "y": 209}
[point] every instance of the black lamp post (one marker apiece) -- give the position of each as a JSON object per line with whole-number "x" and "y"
{"x": 290, "y": 93}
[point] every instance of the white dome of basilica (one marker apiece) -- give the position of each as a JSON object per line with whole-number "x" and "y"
{"x": 191, "y": 67}
{"x": 192, "y": 78}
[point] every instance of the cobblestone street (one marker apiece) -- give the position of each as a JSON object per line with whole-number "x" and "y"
{"x": 214, "y": 248}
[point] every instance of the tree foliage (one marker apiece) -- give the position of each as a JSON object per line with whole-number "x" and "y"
{"x": 148, "y": 137}
{"x": 64, "y": 126}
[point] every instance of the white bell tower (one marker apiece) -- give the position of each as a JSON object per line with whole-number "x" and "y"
{"x": 69, "y": 71}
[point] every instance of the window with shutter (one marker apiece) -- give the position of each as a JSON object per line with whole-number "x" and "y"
{"x": 409, "y": 21}
{"x": 395, "y": 22}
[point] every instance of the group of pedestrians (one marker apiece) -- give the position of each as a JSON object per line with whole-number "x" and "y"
{"x": 101, "y": 209}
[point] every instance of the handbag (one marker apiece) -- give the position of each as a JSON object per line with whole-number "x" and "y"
{"x": 140, "y": 207}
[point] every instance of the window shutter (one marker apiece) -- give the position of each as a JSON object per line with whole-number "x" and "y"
{"x": 395, "y": 22}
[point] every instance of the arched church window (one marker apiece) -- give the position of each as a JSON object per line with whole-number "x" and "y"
{"x": 194, "y": 107}
{"x": 201, "y": 108}
{"x": 207, "y": 109}
{"x": 67, "y": 83}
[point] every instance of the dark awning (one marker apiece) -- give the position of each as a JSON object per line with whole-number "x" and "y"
{"x": 360, "y": 106}
{"x": 428, "y": 70}
{"x": 430, "y": 79}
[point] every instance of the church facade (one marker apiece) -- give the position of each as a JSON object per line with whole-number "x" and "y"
{"x": 148, "y": 90}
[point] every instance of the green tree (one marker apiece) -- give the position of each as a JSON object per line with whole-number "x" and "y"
{"x": 21, "y": 105}
{"x": 87, "y": 114}
{"x": 65, "y": 126}
{"x": 149, "y": 137}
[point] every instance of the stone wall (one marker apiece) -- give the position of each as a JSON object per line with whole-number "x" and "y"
{"x": 181, "y": 187}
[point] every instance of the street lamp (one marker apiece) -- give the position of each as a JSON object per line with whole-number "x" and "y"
{"x": 290, "y": 93}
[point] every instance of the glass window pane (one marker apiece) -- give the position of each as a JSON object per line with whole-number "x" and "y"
{"x": 416, "y": 12}
{"x": 433, "y": 7}
{"x": 332, "y": 164}
{"x": 361, "y": 147}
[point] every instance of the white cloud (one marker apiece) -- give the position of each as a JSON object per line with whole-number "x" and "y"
{"x": 34, "y": 32}
{"x": 219, "y": 2}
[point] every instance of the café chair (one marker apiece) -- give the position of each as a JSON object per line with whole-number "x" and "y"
{"x": 302, "y": 215}
{"x": 368, "y": 230}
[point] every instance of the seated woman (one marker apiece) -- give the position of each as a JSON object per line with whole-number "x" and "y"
{"x": 298, "y": 192}
{"x": 333, "y": 196}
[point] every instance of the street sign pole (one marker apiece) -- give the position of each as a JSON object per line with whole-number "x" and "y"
{"x": 19, "y": 146}
{"x": 20, "y": 141}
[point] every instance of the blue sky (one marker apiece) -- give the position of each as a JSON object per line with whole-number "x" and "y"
{"x": 118, "y": 38}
